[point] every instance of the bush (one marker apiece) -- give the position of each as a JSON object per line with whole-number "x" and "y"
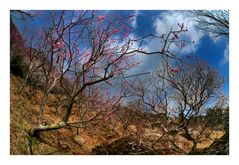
{"x": 17, "y": 66}
{"x": 219, "y": 116}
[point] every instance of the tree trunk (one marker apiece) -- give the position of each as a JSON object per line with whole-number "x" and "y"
{"x": 40, "y": 128}
{"x": 68, "y": 111}
{"x": 54, "y": 126}
{"x": 193, "y": 148}
{"x": 42, "y": 107}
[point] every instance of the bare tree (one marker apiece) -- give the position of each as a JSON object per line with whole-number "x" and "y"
{"x": 180, "y": 95}
{"x": 21, "y": 14}
{"x": 213, "y": 21}
{"x": 195, "y": 86}
{"x": 151, "y": 94}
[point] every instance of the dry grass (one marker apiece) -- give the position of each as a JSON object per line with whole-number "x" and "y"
{"x": 24, "y": 111}
{"x": 23, "y": 117}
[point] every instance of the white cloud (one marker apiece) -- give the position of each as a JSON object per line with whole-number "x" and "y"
{"x": 225, "y": 58}
{"x": 134, "y": 22}
{"x": 162, "y": 25}
{"x": 170, "y": 19}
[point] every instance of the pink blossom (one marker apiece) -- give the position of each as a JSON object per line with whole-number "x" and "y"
{"x": 110, "y": 55}
{"x": 58, "y": 45}
{"x": 114, "y": 61}
{"x": 175, "y": 70}
{"x": 78, "y": 50}
{"x": 126, "y": 27}
{"x": 114, "y": 31}
{"x": 111, "y": 82}
{"x": 87, "y": 53}
{"x": 101, "y": 18}
{"x": 104, "y": 37}
{"x": 135, "y": 64}
{"x": 117, "y": 70}
{"x": 85, "y": 56}
{"x": 54, "y": 45}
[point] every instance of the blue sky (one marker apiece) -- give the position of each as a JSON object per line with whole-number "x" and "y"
{"x": 213, "y": 51}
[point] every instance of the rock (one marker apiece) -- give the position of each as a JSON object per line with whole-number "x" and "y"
{"x": 79, "y": 140}
{"x": 132, "y": 128}
{"x": 119, "y": 129}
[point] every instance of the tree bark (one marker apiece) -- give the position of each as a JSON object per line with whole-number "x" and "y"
{"x": 55, "y": 126}
{"x": 41, "y": 128}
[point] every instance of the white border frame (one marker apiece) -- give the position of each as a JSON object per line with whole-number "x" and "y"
{"x": 7, "y": 5}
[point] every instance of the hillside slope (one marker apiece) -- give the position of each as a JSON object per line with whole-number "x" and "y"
{"x": 95, "y": 137}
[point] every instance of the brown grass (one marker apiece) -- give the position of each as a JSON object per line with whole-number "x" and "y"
{"x": 24, "y": 111}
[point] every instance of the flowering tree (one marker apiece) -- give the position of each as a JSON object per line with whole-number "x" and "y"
{"x": 79, "y": 51}
{"x": 82, "y": 49}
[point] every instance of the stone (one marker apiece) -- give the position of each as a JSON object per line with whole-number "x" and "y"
{"x": 132, "y": 128}
{"x": 79, "y": 140}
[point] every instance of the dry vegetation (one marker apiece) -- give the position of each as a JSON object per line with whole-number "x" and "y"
{"x": 96, "y": 137}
